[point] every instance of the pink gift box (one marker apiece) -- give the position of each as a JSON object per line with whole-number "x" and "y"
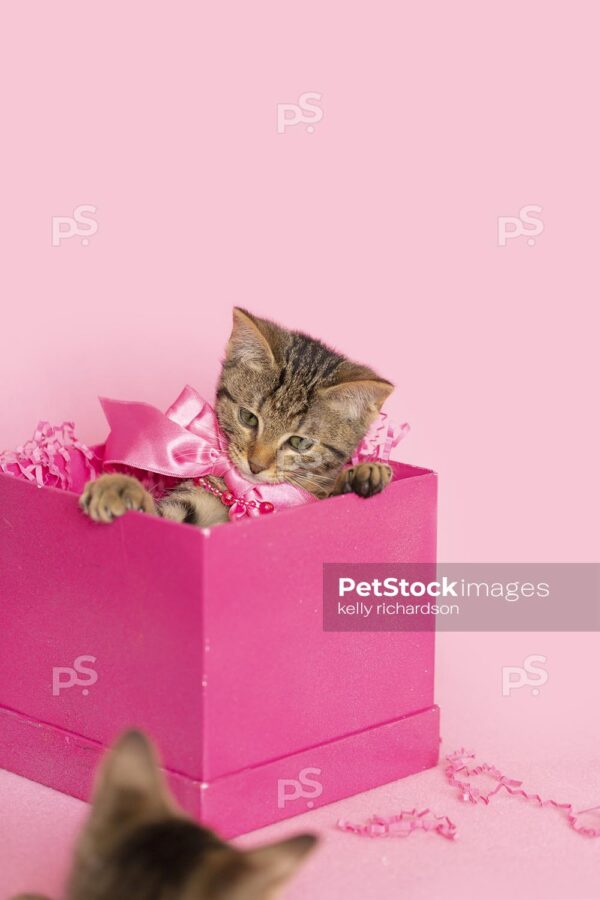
{"x": 212, "y": 641}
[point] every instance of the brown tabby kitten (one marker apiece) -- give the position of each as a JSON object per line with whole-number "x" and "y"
{"x": 293, "y": 411}
{"x": 138, "y": 845}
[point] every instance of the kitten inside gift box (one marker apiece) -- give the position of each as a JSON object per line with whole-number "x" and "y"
{"x": 293, "y": 422}
{"x": 222, "y": 652}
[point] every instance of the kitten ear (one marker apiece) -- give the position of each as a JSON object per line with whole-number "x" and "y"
{"x": 30, "y": 897}
{"x": 130, "y": 782}
{"x": 253, "y": 341}
{"x": 358, "y": 397}
{"x": 275, "y": 863}
{"x": 257, "y": 873}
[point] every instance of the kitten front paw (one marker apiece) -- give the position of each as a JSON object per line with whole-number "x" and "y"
{"x": 110, "y": 496}
{"x": 364, "y": 479}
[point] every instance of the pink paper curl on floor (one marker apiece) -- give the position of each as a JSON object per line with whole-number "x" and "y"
{"x": 402, "y": 825}
{"x": 458, "y": 771}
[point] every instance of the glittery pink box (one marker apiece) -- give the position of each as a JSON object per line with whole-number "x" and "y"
{"x": 212, "y": 641}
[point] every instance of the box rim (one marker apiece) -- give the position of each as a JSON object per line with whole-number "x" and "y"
{"x": 206, "y": 531}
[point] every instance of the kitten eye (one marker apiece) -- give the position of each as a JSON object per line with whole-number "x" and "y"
{"x": 300, "y": 443}
{"x": 248, "y": 418}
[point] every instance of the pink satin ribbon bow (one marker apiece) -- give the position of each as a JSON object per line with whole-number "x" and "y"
{"x": 187, "y": 442}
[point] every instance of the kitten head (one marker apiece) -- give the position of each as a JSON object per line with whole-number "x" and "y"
{"x": 292, "y": 409}
{"x": 138, "y": 843}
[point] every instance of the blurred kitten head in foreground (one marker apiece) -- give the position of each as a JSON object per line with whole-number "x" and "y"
{"x": 138, "y": 844}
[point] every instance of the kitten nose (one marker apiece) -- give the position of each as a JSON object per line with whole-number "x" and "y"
{"x": 256, "y": 467}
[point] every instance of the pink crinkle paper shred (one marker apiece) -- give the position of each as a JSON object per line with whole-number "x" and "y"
{"x": 379, "y": 441}
{"x": 402, "y": 824}
{"x": 54, "y": 457}
{"x": 460, "y": 769}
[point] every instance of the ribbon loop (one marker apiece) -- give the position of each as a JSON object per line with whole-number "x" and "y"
{"x": 185, "y": 442}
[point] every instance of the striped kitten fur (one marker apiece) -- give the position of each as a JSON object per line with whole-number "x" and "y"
{"x": 138, "y": 845}
{"x": 293, "y": 411}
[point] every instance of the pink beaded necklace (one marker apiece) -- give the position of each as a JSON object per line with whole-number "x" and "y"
{"x": 228, "y": 498}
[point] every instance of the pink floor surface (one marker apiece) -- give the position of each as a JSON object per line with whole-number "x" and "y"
{"x": 507, "y": 849}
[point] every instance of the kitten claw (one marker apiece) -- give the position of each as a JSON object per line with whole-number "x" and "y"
{"x": 365, "y": 479}
{"x": 110, "y": 496}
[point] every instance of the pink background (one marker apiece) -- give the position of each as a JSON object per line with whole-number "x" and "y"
{"x": 379, "y": 233}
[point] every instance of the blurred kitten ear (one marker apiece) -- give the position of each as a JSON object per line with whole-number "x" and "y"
{"x": 358, "y": 397}
{"x": 130, "y": 782}
{"x": 30, "y": 897}
{"x": 273, "y": 864}
{"x": 253, "y": 341}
